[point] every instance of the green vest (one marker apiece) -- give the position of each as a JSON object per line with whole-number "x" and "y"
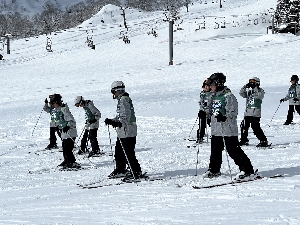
{"x": 88, "y": 114}
{"x": 60, "y": 117}
{"x": 205, "y": 96}
{"x": 132, "y": 114}
{"x": 292, "y": 91}
{"x": 253, "y": 102}
{"x": 218, "y": 103}
{"x": 53, "y": 114}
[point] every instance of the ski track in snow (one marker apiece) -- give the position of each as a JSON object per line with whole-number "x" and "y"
{"x": 34, "y": 191}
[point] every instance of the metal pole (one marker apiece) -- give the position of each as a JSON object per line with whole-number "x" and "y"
{"x": 273, "y": 24}
{"x": 221, "y": 4}
{"x": 171, "y": 22}
{"x": 8, "y": 45}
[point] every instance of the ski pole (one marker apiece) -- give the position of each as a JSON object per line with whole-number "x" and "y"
{"x": 80, "y": 135}
{"x": 226, "y": 153}
{"x": 193, "y": 127}
{"x": 197, "y": 160}
{"x": 274, "y": 114}
{"x": 37, "y": 122}
{"x": 127, "y": 158}
{"x": 112, "y": 153}
{"x": 206, "y": 131}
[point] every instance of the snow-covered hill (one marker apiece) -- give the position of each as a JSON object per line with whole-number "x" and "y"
{"x": 34, "y": 191}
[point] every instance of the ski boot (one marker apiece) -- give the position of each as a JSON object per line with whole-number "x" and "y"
{"x": 209, "y": 174}
{"x": 263, "y": 144}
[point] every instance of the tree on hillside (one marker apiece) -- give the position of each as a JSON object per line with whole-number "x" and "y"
{"x": 3, "y": 25}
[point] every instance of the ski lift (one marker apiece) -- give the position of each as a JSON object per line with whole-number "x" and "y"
{"x": 263, "y": 18}
{"x": 49, "y": 44}
{"x": 249, "y": 21}
{"x": 217, "y": 25}
{"x": 224, "y": 24}
{"x": 126, "y": 39}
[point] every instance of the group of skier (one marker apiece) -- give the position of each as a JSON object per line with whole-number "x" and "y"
{"x": 63, "y": 122}
{"x": 219, "y": 109}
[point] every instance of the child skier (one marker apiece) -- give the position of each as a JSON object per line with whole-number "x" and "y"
{"x": 92, "y": 115}
{"x": 254, "y": 95}
{"x": 69, "y": 132}
{"x": 49, "y": 108}
{"x": 293, "y": 97}
{"x": 224, "y": 110}
{"x": 203, "y": 111}
{"x": 125, "y": 124}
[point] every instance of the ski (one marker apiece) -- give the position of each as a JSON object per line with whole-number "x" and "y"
{"x": 58, "y": 168}
{"x": 194, "y": 145}
{"x": 118, "y": 181}
{"x": 236, "y": 182}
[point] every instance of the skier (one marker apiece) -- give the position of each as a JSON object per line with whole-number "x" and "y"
{"x": 224, "y": 110}
{"x": 125, "y": 124}
{"x": 92, "y": 115}
{"x": 293, "y": 97}
{"x": 49, "y": 108}
{"x": 254, "y": 95}
{"x": 69, "y": 132}
{"x": 203, "y": 112}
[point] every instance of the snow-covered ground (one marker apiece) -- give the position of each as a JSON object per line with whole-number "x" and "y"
{"x": 34, "y": 191}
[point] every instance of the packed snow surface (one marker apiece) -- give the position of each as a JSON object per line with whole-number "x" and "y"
{"x": 165, "y": 97}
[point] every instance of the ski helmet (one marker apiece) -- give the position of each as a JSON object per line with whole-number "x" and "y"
{"x": 78, "y": 100}
{"x": 295, "y": 78}
{"x": 117, "y": 86}
{"x": 255, "y": 80}
{"x": 56, "y": 99}
{"x": 218, "y": 79}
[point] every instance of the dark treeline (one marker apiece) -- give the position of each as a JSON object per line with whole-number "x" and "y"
{"x": 53, "y": 19}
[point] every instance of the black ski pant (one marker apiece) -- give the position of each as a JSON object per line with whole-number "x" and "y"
{"x": 234, "y": 151}
{"x": 90, "y": 135}
{"x": 291, "y": 111}
{"x": 202, "y": 125}
{"x": 68, "y": 145}
{"x": 255, "y": 125}
{"x": 52, "y": 135}
{"x": 127, "y": 145}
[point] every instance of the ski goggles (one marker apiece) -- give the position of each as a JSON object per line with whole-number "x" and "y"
{"x": 252, "y": 81}
{"x": 113, "y": 91}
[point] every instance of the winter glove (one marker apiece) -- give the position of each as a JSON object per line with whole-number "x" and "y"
{"x": 201, "y": 114}
{"x": 65, "y": 129}
{"x": 247, "y": 85}
{"x": 296, "y": 99}
{"x": 108, "y": 121}
{"x": 220, "y": 117}
{"x": 46, "y": 101}
{"x": 282, "y": 100}
{"x": 116, "y": 124}
{"x": 93, "y": 121}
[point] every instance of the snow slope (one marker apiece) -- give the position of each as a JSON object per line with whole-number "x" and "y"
{"x": 34, "y": 191}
